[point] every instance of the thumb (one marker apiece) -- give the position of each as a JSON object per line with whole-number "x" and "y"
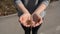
{"x": 29, "y": 18}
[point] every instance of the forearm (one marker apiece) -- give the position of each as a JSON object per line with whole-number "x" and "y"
{"x": 21, "y": 6}
{"x": 42, "y": 6}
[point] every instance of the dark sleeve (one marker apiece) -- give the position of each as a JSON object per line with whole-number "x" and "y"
{"x": 46, "y": 2}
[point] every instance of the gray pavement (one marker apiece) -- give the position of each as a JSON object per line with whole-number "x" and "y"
{"x": 51, "y": 25}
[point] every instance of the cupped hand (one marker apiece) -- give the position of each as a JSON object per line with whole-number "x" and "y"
{"x": 30, "y": 20}
{"x": 23, "y": 18}
{"x": 37, "y": 19}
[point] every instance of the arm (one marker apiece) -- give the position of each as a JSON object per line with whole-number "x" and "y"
{"x": 42, "y": 6}
{"x": 25, "y": 16}
{"x": 36, "y": 17}
{"x": 21, "y": 6}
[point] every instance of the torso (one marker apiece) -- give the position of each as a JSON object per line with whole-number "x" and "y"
{"x": 32, "y": 5}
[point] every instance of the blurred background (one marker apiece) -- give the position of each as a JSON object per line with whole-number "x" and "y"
{"x": 9, "y": 20}
{"x": 7, "y": 7}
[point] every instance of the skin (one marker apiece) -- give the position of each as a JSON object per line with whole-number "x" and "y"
{"x": 27, "y": 16}
{"x": 37, "y": 12}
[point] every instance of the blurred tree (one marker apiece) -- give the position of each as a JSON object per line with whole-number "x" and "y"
{"x": 52, "y": 1}
{"x": 6, "y": 7}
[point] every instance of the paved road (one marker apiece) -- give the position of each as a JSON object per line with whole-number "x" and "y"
{"x": 10, "y": 25}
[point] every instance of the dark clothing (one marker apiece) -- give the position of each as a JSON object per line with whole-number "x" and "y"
{"x": 28, "y": 29}
{"x": 31, "y": 6}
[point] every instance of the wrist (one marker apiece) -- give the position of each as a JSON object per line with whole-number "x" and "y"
{"x": 26, "y": 12}
{"x": 36, "y": 13}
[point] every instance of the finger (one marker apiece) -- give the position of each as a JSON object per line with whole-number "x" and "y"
{"x": 24, "y": 24}
{"x": 41, "y": 21}
{"x": 37, "y": 24}
{"x": 33, "y": 25}
{"x": 27, "y": 25}
{"x": 29, "y": 18}
{"x": 21, "y": 18}
{"x": 33, "y": 22}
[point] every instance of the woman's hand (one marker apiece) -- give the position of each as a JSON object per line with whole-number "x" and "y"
{"x": 24, "y": 18}
{"x": 37, "y": 19}
{"x": 30, "y": 20}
